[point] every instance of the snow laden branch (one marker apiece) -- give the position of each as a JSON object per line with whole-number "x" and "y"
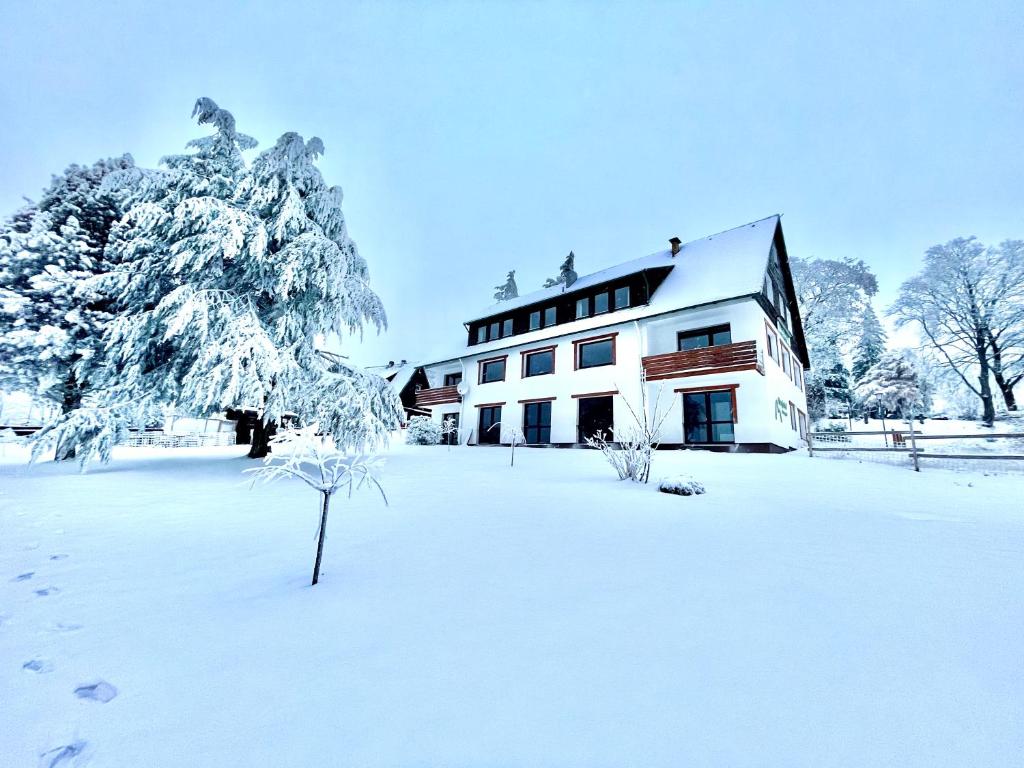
{"x": 307, "y": 455}
{"x": 631, "y": 450}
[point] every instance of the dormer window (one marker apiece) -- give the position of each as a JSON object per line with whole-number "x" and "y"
{"x": 622, "y": 297}
{"x": 550, "y": 316}
{"x": 601, "y": 303}
{"x": 535, "y": 320}
{"x": 583, "y": 307}
{"x": 506, "y": 327}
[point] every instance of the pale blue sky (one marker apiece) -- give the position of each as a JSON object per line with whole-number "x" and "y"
{"x": 472, "y": 138}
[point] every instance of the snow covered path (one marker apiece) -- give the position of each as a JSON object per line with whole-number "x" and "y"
{"x": 804, "y": 612}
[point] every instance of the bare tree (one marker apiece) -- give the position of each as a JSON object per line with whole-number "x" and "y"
{"x": 632, "y": 450}
{"x": 312, "y": 458}
{"x": 961, "y": 302}
{"x": 1006, "y": 327}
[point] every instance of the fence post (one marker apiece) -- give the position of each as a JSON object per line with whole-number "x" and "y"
{"x": 810, "y": 439}
{"x": 913, "y": 444}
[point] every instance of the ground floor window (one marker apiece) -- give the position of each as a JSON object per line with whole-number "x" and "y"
{"x": 595, "y": 418}
{"x": 537, "y": 422}
{"x": 490, "y": 415}
{"x": 708, "y": 417}
{"x": 450, "y": 429}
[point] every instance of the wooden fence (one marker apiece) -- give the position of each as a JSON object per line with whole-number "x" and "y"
{"x": 915, "y": 444}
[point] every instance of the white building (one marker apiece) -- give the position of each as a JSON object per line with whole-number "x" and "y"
{"x": 711, "y": 325}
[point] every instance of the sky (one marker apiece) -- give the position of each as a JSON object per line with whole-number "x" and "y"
{"x": 475, "y": 138}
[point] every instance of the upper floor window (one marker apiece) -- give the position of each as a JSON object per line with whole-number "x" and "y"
{"x": 771, "y": 342}
{"x": 601, "y": 303}
{"x": 452, "y": 379}
{"x": 591, "y": 354}
{"x": 550, "y": 316}
{"x": 535, "y": 320}
{"x": 492, "y": 370}
{"x": 506, "y": 327}
{"x": 785, "y": 363}
{"x": 539, "y": 362}
{"x": 492, "y": 332}
{"x": 705, "y": 337}
{"x": 481, "y": 334}
{"x": 583, "y": 307}
{"x": 622, "y": 297}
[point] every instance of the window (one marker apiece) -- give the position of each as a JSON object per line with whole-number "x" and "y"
{"x": 593, "y": 353}
{"x": 492, "y": 334}
{"x": 537, "y": 422}
{"x": 708, "y": 417}
{"x": 490, "y": 419}
{"x": 506, "y": 327}
{"x": 452, "y": 379}
{"x": 785, "y": 363}
{"x": 772, "y": 341}
{"x": 481, "y": 334}
{"x": 535, "y": 320}
{"x": 792, "y": 416}
{"x": 492, "y": 370}
{"x": 539, "y": 362}
{"x": 582, "y": 307}
{"x": 802, "y": 421}
{"x": 451, "y": 437}
{"x": 705, "y": 337}
{"x": 622, "y": 297}
{"x": 550, "y": 316}
{"x": 600, "y": 303}
{"x": 595, "y": 418}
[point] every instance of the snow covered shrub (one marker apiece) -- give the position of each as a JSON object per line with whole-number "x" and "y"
{"x": 633, "y": 447}
{"x": 313, "y": 458}
{"x": 681, "y": 485}
{"x": 423, "y": 430}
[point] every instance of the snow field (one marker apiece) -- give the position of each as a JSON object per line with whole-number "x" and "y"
{"x": 802, "y": 612}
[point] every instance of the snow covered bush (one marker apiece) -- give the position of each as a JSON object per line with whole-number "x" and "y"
{"x": 306, "y": 455}
{"x": 422, "y": 430}
{"x": 681, "y": 485}
{"x": 631, "y": 451}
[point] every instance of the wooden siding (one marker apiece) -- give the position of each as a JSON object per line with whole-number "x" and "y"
{"x": 725, "y": 358}
{"x": 437, "y": 396}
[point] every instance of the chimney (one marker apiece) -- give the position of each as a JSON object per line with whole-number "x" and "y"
{"x": 675, "y": 242}
{"x": 391, "y": 363}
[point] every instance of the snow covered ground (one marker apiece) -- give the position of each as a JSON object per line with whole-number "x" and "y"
{"x": 804, "y": 612}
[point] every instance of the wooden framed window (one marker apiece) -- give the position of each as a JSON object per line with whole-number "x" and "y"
{"x": 700, "y": 338}
{"x": 802, "y": 422}
{"x": 583, "y": 307}
{"x": 506, "y": 327}
{"x": 792, "y": 415}
{"x": 785, "y": 363}
{"x": 601, "y": 303}
{"x": 493, "y": 331}
{"x": 537, "y": 422}
{"x": 550, "y": 316}
{"x": 538, "y": 362}
{"x": 622, "y": 297}
{"x": 481, "y": 334}
{"x": 594, "y": 352}
{"x": 490, "y": 424}
{"x": 452, "y": 379}
{"x": 492, "y": 370}
{"x": 772, "y": 342}
{"x": 535, "y": 320}
{"x": 709, "y": 414}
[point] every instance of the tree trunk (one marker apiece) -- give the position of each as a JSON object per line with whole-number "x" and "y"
{"x": 1006, "y": 388}
{"x": 988, "y": 408}
{"x": 72, "y": 401}
{"x": 320, "y": 538}
{"x": 261, "y": 434}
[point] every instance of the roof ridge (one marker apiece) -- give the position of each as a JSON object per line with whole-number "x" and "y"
{"x": 731, "y": 229}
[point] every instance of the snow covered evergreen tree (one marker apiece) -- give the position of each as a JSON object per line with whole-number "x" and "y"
{"x": 894, "y": 383}
{"x": 870, "y": 344}
{"x": 228, "y": 280}
{"x": 51, "y": 317}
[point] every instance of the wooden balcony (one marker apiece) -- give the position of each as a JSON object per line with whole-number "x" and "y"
{"x": 726, "y": 358}
{"x": 425, "y": 398}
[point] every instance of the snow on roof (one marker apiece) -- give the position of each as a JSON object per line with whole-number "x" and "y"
{"x": 716, "y": 267}
{"x": 400, "y": 376}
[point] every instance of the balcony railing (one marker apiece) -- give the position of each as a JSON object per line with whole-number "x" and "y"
{"x": 437, "y": 396}
{"x": 725, "y": 358}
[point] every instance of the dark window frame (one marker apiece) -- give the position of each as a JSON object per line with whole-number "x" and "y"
{"x": 607, "y": 303}
{"x": 526, "y": 354}
{"x": 539, "y": 314}
{"x": 508, "y": 327}
{"x": 553, "y": 311}
{"x": 448, "y": 379}
{"x": 579, "y": 344}
{"x": 481, "y": 366}
{"x": 615, "y": 301}
{"x": 709, "y": 332}
{"x": 484, "y": 436}
{"x": 707, "y": 391}
{"x": 537, "y": 406}
{"x": 583, "y": 300}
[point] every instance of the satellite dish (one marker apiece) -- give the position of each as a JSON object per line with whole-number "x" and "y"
{"x": 462, "y": 388}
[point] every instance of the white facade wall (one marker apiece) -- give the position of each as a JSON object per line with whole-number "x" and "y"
{"x": 756, "y": 394}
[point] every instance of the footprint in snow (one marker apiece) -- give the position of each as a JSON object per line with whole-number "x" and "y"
{"x": 41, "y": 666}
{"x": 68, "y": 754}
{"x": 58, "y": 557}
{"x": 101, "y": 692}
{"x": 65, "y": 626}
{"x": 45, "y": 591}
{"x": 24, "y": 576}
{"x": 31, "y": 545}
